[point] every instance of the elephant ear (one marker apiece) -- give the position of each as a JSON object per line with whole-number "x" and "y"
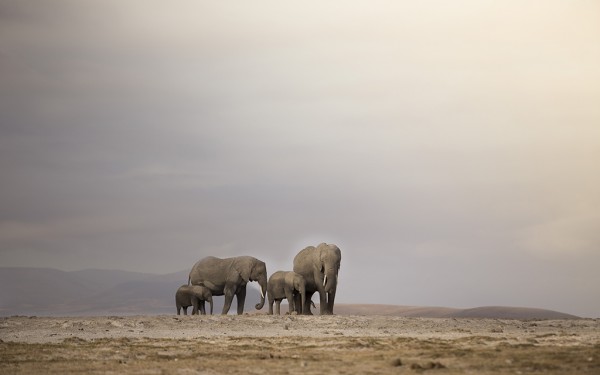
{"x": 318, "y": 260}
{"x": 244, "y": 271}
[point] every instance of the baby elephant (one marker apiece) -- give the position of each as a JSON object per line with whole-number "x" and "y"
{"x": 193, "y": 295}
{"x": 286, "y": 285}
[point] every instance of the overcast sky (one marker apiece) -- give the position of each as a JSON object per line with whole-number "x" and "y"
{"x": 450, "y": 149}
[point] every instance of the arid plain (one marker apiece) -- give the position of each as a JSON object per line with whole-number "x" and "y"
{"x": 289, "y": 344}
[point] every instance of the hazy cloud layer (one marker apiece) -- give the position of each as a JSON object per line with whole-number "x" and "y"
{"x": 449, "y": 148}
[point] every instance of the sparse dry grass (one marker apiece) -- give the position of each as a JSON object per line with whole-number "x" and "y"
{"x": 567, "y": 350}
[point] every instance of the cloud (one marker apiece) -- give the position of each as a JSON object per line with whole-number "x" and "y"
{"x": 12, "y": 231}
{"x": 571, "y": 236}
{"x": 424, "y": 136}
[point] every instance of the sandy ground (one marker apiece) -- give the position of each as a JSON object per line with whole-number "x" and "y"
{"x": 259, "y": 344}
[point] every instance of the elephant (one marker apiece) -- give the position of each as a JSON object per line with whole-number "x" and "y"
{"x": 229, "y": 277}
{"x": 193, "y": 295}
{"x": 285, "y": 284}
{"x": 320, "y": 267}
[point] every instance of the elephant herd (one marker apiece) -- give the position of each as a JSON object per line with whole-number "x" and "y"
{"x": 315, "y": 270}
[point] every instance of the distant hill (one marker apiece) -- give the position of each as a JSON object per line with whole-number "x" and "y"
{"x": 503, "y": 312}
{"x": 45, "y": 291}
{"x": 493, "y": 312}
{"x": 394, "y": 310}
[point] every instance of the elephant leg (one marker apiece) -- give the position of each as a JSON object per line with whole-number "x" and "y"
{"x": 330, "y": 300}
{"x": 277, "y": 307}
{"x": 195, "y": 303}
{"x": 178, "y": 310}
{"x": 202, "y": 308}
{"x": 228, "y": 299}
{"x": 298, "y": 305}
{"x": 306, "y": 307}
{"x": 291, "y": 303}
{"x": 323, "y": 302}
{"x": 185, "y": 310}
{"x": 241, "y": 299}
{"x": 271, "y": 301}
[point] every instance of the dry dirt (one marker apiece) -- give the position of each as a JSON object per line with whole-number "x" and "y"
{"x": 261, "y": 344}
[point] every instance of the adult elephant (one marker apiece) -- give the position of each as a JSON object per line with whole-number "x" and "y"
{"x": 286, "y": 285}
{"x": 229, "y": 277}
{"x": 319, "y": 266}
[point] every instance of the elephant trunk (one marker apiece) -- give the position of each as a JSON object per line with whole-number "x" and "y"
{"x": 263, "y": 292}
{"x": 330, "y": 281}
{"x": 300, "y": 308}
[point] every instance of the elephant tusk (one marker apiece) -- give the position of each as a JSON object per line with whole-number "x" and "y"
{"x": 261, "y": 293}
{"x": 325, "y": 280}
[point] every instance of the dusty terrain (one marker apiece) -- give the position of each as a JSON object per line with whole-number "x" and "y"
{"x": 261, "y": 344}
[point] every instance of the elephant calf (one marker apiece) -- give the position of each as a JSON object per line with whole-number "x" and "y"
{"x": 286, "y": 285}
{"x": 193, "y": 295}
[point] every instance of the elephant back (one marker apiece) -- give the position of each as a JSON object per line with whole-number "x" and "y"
{"x": 277, "y": 275}
{"x": 207, "y": 272}
{"x": 304, "y": 257}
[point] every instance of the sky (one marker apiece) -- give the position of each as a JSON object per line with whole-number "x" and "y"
{"x": 450, "y": 149}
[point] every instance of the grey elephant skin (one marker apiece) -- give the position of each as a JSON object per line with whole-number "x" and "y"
{"x": 320, "y": 267}
{"x": 195, "y": 296}
{"x": 228, "y": 277}
{"x": 285, "y": 285}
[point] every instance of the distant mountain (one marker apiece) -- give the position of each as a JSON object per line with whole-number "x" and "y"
{"x": 46, "y": 291}
{"x": 394, "y": 310}
{"x": 504, "y": 312}
{"x": 490, "y": 312}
